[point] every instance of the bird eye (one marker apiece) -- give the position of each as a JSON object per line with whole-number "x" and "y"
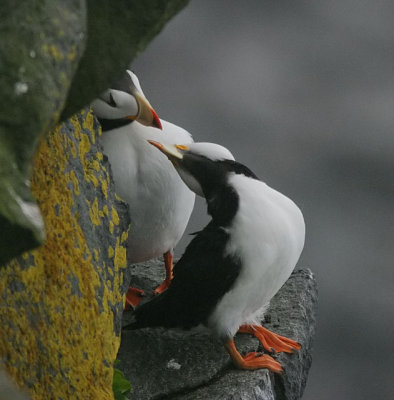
{"x": 112, "y": 101}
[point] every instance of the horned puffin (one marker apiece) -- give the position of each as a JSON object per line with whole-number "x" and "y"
{"x": 159, "y": 203}
{"x": 236, "y": 264}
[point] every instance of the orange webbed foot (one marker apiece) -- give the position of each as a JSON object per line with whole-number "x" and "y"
{"x": 133, "y": 297}
{"x": 252, "y": 360}
{"x": 271, "y": 341}
{"x": 164, "y": 286}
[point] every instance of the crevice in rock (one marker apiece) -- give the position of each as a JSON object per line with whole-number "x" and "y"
{"x": 189, "y": 390}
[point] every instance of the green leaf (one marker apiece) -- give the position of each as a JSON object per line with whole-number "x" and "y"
{"x": 121, "y": 386}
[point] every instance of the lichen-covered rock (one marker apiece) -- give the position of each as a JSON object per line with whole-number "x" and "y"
{"x": 60, "y": 304}
{"x": 117, "y": 32}
{"x": 40, "y": 46}
{"x": 192, "y": 365}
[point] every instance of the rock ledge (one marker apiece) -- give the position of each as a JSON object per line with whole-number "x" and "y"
{"x": 169, "y": 364}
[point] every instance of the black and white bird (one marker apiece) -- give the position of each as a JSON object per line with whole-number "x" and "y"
{"x": 237, "y": 263}
{"x": 159, "y": 203}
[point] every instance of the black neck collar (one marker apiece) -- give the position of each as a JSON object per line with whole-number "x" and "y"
{"x": 109, "y": 124}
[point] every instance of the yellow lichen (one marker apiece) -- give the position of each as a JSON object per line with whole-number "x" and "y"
{"x": 56, "y": 340}
{"x": 104, "y": 188}
{"x": 74, "y": 180}
{"x": 111, "y": 227}
{"x": 115, "y": 216}
{"x": 72, "y": 148}
{"x": 94, "y": 212}
{"x": 73, "y": 53}
{"x": 96, "y": 254}
{"x": 124, "y": 237}
{"x": 52, "y": 51}
{"x": 96, "y": 165}
{"x": 111, "y": 252}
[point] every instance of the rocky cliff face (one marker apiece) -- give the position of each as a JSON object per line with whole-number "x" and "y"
{"x": 40, "y": 46}
{"x": 55, "y": 57}
{"x": 60, "y": 304}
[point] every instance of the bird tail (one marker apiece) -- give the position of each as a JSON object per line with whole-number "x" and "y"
{"x": 154, "y": 313}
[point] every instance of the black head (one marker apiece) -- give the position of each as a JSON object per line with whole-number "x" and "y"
{"x": 206, "y": 168}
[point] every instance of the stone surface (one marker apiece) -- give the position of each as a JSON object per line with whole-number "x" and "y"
{"x": 50, "y": 51}
{"x": 172, "y": 364}
{"x": 60, "y": 305}
{"x": 40, "y": 45}
{"x": 117, "y": 32}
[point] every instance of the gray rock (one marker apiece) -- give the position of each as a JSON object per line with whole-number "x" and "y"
{"x": 172, "y": 364}
{"x": 40, "y": 46}
{"x": 61, "y": 304}
{"x": 117, "y": 32}
{"x": 50, "y": 51}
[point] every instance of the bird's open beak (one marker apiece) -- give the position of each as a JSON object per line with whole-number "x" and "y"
{"x": 171, "y": 151}
{"x": 146, "y": 114}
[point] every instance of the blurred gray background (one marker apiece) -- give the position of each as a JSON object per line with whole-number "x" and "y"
{"x": 303, "y": 93}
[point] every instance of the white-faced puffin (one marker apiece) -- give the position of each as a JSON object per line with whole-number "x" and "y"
{"x": 237, "y": 263}
{"x": 159, "y": 203}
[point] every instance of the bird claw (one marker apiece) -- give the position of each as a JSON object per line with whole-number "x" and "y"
{"x": 164, "y": 286}
{"x": 271, "y": 341}
{"x": 252, "y": 360}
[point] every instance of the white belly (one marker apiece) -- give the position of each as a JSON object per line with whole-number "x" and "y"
{"x": 268, "y": 235}
{"x": 159, "y": 202}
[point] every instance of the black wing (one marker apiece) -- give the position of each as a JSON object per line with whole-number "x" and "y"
{"x": 201, "y": 277}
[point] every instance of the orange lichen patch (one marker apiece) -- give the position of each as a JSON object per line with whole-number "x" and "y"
{"x": 57, "y": 336}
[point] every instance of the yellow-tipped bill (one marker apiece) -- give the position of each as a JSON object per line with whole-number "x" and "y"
{"x": 171, "y": 151}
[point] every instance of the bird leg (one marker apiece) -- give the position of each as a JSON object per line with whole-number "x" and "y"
{"x": 271, "y": 341}
{"x": 252, "y": 360}
{"x": 168, "y": 264}
{"x": 133, "y": 297}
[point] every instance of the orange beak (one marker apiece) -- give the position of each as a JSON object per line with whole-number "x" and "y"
{"x": 146, "y": 114}
{"x": 156, "y": 120}
{"x": 171, "y": 151}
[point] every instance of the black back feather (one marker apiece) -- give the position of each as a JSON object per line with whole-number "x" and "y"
{"x": 201, "y": 277}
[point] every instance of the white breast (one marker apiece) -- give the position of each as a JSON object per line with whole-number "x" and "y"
{"x": 267, "y": 234}
{"x": 160, "y": 204}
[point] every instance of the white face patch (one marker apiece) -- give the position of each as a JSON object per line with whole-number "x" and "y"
{"x": 125, "y": 105}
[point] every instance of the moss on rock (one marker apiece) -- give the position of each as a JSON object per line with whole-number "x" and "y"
{"x": 41, "y": 43}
